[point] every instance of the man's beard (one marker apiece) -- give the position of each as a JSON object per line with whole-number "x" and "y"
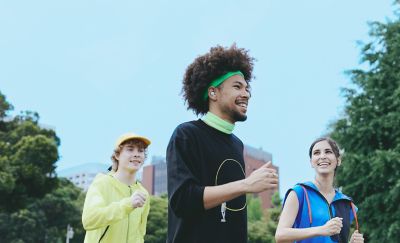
{"x": 237, "y": 116}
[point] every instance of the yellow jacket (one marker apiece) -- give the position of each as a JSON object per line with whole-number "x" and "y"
{"x": 108, "y": 213}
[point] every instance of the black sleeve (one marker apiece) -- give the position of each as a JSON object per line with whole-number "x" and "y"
{"x": 185, "y": 193}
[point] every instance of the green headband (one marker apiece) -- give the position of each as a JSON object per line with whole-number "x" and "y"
{"x": 220, "y": 80}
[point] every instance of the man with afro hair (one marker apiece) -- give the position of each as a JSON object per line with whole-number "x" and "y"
{"x": 206, "y": 178}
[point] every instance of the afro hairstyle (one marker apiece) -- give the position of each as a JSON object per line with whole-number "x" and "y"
{"x": 217, "y": 62}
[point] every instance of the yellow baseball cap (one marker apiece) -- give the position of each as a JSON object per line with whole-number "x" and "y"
{"x": 129, "y": 136}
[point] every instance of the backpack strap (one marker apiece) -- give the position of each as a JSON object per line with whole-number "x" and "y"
{"x": 308, "y": 204}
{"x": 353, "y": 209}
{"x": 104, "y": 233}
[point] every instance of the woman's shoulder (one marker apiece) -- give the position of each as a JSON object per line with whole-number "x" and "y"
{"x": 301, "y": 186}
{"x": 297, "y": 189}
{"x": 300, "y": 189}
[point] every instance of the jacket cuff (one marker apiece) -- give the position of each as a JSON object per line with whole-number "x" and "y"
{"x": 126, "y": 205}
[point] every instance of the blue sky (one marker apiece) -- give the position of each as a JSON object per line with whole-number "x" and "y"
{"x": 96, "y": 69}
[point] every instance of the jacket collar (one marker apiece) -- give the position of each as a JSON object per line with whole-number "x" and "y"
{"x": 338, "y": 194}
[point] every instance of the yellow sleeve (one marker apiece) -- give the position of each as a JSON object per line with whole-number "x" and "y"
{"x": 145, "y": 214}
{"x": 97, "y": 214}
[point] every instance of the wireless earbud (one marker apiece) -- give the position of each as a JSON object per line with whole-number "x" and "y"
{"x": 212, "y": 93}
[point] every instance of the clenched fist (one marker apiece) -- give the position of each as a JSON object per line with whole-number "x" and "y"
{"x": 138, "y": 199}
{"x": 356, "y": 237}
{"x": 262, "y": 179}
{"x": 332, "y": 227}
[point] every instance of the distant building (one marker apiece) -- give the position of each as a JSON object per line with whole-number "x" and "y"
{"x": 254, "y": 159}
{"x": 155, "y": 174}
{"x": 83, "y": 175}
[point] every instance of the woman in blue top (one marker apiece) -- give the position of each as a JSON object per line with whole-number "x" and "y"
{"x": 316, "y": 211}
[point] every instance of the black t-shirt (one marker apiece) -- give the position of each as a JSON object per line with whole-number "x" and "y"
{"x": 198, "y": 156}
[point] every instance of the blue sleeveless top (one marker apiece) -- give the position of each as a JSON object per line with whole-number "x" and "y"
{"x": 322, "y": 212}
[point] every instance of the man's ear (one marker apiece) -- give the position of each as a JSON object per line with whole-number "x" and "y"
{"x": 212, "y": 93}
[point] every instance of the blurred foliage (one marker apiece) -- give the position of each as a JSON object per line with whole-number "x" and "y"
{"x": 262, "y": 223}
{"x": 157, "y": 221}
{"x": 369, "y": 133}
{"x": 35, "y": 205}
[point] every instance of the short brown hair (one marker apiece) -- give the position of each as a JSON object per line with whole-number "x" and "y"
{"x": 131, "y": 142}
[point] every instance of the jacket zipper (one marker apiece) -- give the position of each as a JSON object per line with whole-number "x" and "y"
{"x": 329, "y": 208}
{"x": 328, "y": 204}
{"x": 127, "y": 231}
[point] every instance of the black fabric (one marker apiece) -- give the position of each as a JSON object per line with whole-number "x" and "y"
{"x": 194, "y": 154}
{"x": 342, "y": 209}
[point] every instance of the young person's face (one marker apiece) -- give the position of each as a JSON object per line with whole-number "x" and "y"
{"x": 131, "y": 158}
{"x": 323, "y": 159}
{"x": 232, "y": 98}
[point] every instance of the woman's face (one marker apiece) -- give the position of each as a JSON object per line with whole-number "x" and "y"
{"x": 323, "y": 159}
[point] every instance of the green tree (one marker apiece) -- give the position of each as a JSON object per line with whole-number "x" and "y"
{"x": 61, "y": 207}
{"x": 273, "y": 216}
{"x": 35, "y": 205}
{"x": 46, "y": 219}
{"x": 156, "y": 231}
{"x": 4, "y": 106}
{"x": 257, "y": 232}
{"x": 369, "y": 132}
{"x": 254, "y": 208}
{"x": 262, "y": 226}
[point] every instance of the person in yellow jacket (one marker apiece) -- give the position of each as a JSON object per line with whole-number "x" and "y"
{"x": 117, "y": 205}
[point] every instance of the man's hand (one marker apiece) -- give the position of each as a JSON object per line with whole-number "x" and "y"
{"x": 262, "y": 179}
